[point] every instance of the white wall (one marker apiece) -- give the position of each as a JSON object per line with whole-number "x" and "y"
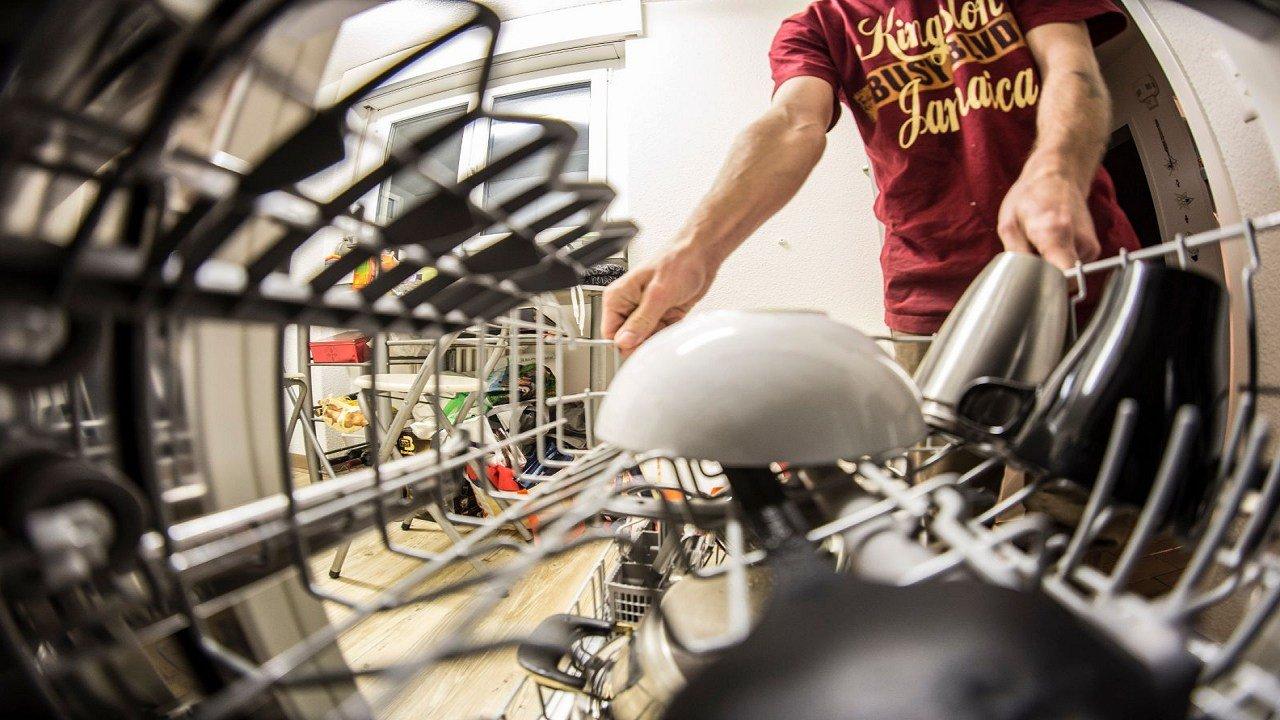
{"x": 699, "y": 74}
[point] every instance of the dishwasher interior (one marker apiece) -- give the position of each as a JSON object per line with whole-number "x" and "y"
{"x": 803, "y": 549}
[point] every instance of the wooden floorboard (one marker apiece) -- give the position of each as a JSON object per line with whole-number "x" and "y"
{"x": 475, "y": 687}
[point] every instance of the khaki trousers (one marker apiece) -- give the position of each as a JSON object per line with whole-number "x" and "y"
{"x": 909, "y": 354}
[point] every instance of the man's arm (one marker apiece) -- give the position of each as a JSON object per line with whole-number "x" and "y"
{"x": 1046, "y": 209}
{"x": 769, "y": 162}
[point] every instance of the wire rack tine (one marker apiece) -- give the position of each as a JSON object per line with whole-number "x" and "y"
{"x": 1223, "y": 514}
{"x": 1248, "y": 630}
{"x": 177, "y": 89}
{"x": 1234, "y": 582}
{"x": 1108, "y": 474}
{"x": 224, "y": 218}
{"x": 1236, "y": 435}
{"x": 1172, "y": 467}
{"x": 1013, "y": 500}
{"x": 1249, "y": 232}
{"x": 1261, "y": 519}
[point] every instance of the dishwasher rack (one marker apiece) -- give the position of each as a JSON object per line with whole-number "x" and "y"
{"x": 150, "y": 284}
{"x": 168, "y": 251}
{"x": 217, "y": 244}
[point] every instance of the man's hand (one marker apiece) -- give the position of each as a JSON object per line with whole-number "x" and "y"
{"x": 655, "y": 295}
{"x": 1047, "y": 212}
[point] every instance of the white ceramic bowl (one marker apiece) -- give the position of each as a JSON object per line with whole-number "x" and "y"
{"x": 750, "y": 388}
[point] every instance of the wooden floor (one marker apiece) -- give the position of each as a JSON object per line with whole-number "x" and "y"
{"x": 476, "y": 687}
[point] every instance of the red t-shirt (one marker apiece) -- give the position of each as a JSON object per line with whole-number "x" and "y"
{"x": 945, "y": 94}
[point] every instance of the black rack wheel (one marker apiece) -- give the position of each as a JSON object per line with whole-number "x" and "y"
{"x": 78, "y": 349}
{"x": 39, "y": 479}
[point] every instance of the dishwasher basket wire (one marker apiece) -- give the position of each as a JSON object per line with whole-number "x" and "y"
{"x": 149, "y": 287}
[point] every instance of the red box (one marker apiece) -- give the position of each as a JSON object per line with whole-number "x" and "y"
{"x": 347, "y": 347}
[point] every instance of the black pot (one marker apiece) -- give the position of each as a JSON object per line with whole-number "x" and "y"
{"x": 836, "y": 648}
{"x": 1160, "y": 338}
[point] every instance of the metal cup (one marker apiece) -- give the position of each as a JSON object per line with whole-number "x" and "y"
{"x": 1011, "y": 323}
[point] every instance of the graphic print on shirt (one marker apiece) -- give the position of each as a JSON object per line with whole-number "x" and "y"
{"x": 923, "y": 55}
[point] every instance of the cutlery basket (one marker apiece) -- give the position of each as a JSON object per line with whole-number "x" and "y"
{"x": 632, "y": 591}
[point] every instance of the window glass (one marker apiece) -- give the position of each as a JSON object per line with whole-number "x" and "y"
{"x": 409, "y": 187}
{"x": 571, "y": 103}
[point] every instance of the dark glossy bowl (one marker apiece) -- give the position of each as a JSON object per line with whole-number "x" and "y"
{"x": 1160, "y": 338}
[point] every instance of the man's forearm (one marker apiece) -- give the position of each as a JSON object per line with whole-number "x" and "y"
{"x": 1074, "y": 117}
{"x": 768, "y": 164}
{"x": 1047, "y": 211}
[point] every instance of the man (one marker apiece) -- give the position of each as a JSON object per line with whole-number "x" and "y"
{"x": 985, "y": 122}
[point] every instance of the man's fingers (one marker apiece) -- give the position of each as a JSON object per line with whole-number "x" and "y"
{"x": 644, "y": 320}
{"x": 615, "y": 314}
{"x": 1014, "y": 239}
{"x": 1060, "y": 256}
{"x": 620, "y": 299}
{"x": 1047, "y": 214}
{"x": 671, "y": 318}
{"x": 1087, "y": 246}
{"x": 1054, "y": 237}
{"x": 651, "y": 297}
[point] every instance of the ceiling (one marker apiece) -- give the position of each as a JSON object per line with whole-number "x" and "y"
{"x": 399, "y": 24}
{"x": 508, "y": 9}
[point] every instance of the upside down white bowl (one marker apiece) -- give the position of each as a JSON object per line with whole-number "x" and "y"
{"x": 749, "y": 388}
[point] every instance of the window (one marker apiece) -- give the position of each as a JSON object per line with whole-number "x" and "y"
{"x": 569, "y": 103}
{"x": 576, "y": 98}
{"x": 408, "y": 188}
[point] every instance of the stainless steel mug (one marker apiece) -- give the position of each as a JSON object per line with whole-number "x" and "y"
{"x": 1159, "y": 338}
{"x": 1011, "y": 323}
